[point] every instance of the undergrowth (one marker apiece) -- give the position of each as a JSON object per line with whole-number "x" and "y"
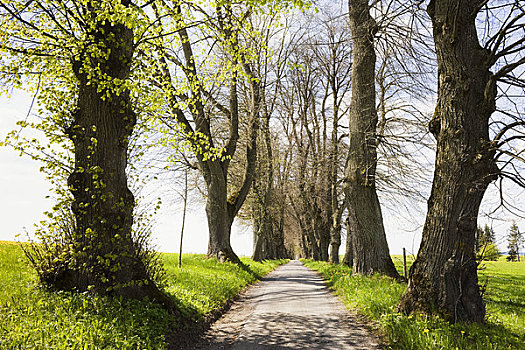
{"x": 34, "y": 318}
{"x": 376, "y": 298}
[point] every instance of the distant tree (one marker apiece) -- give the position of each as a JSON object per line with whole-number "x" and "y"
{"x": 515, "y": 240}
{"x": 484, "y": 236}
{"x": 312, "y": 100}
{"x": 488, "y": 252}
{"x": 264, "y": 205}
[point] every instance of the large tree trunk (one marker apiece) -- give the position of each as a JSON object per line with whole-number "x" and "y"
{"x": 220, "y": 218}
{"x": 370, "y": 246}
{"x": 443, "y": 279}
{"x": 260, "y": 244}
{"x": 105, "y": 256}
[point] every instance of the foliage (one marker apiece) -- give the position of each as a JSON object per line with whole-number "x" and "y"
{"x": 484, "y": 235}
{"x": 56, "y": 246}
{"x": 35, "y": 318}
{"x": 376, "y": 298}
{"x": 485, "y": 246}
{"x": 488, "y": 251}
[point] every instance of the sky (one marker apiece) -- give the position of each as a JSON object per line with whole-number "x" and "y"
{"x": 23, "y": 190}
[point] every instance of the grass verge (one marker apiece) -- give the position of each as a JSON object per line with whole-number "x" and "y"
{"x": 34, "y": 318}
{"x": 376, "y": 298}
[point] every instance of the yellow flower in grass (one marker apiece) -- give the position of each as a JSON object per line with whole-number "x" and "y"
{"x": 426, "y": 330}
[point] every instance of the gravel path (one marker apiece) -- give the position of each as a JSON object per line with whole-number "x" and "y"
{"x": 291, "y": 308}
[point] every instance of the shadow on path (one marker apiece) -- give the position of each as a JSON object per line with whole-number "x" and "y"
{"x": 289, "y": 309}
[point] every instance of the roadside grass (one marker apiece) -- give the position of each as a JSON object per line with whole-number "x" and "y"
{"x": 34, "y": 318}
{"x": 202, "y": 285}
{"x": 376, "y": 298}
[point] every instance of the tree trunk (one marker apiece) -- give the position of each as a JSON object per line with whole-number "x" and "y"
{"x": 219, "y": 217}
{"x": 278, "y": 231}
{"x": 269, "y": 246}
{"x": 335, "y": 243}
{"x": 268, "y": 238}
{"x": 321, "y": 225}
{"x": 443, "y": 279}
{"x": 348, "y": 259}
{"x": 259, "y": 244}
{"x": 105, "y": 256}
{"x": 263, "y": 231}
{"x": 221, "y": 209}
{"x": 370, "y": 246}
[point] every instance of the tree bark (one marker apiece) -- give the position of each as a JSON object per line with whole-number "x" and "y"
{"x": 335, "y": 243}
{"x": 220, "y": 220}
{"x": 106, "y": 259}
{"x": 321, "y": 224}
{"x": 348, "y": 259}
{"x": 443, "y": 279}
{"x": 371, "y": 252}
{"x": 268, "y": 236}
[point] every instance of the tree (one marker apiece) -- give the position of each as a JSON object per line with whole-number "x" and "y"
{"x": 485, "y": 243}
{"x": 403, "y": 77}
{"x": 368, "y": 235}
{"x": 515, "y": 241}
{"x": 446, "y": 282}
{"x": 488, "y": 252}
{"x": 266, "y": 207}
{"x": 348, "y": 258}
{"x": 83, "y": 54}
{"x": 203, "y": 117}
{"x": 332, "y": 50}
{"x": 313, "y": 92}
{"x": 485, "y": 235}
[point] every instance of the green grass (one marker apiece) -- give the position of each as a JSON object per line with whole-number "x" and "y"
{"x": 34, "y": 318}
{"x": 376, "y": 298}
{"x": 204, "y": 284}
{"x": 505, "y": 295}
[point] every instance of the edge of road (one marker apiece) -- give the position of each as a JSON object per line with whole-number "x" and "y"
{"x": 186, "y": 338}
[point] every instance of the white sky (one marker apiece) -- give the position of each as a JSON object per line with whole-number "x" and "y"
{"x": 23, "y": 190}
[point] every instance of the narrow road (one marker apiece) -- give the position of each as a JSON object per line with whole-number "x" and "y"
{"x": 291, "y": 308}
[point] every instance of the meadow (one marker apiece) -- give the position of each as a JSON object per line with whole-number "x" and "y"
{"x": 34, "y": 318}
{"x": 376, "y": 297}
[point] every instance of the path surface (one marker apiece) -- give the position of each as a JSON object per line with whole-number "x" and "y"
{"x": 291, "y": 308}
